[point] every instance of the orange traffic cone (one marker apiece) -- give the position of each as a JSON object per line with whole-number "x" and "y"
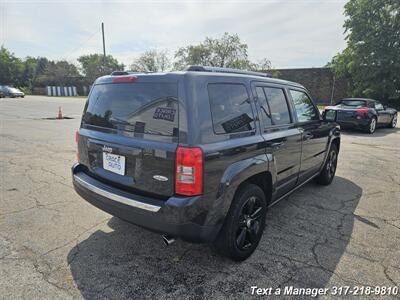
{"x": 60, "y": 116}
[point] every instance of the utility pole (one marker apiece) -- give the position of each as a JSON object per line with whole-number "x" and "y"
{"x": 104, "y": 43}
{"x": 104, "y": 47}
{"x": 333, "y": 87}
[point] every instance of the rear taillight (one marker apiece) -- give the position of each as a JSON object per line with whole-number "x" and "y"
{"x": 189, "y": 171}
{"x": 362, "y": 110}
{"x": 77, "y": 143}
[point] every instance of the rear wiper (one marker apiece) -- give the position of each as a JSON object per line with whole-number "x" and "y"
{"x": 119, "y": 121}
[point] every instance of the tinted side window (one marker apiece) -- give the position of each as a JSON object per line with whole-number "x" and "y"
{"x": 230, "y": 108}
{"x": 277, "y": 105}
{"x": 378, "y": 106}
{"x": 265, "y": 112}
{"x": 304, "y": 107}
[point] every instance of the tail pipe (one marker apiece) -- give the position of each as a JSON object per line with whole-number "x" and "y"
{"x": 168, "y": 240}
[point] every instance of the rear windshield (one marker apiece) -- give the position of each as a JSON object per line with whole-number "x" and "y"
{"x": 150, "y": 108}
{"x": 354, "y": 103}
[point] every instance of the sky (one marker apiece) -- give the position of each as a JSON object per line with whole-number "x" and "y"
{"x": 291, "y": 34}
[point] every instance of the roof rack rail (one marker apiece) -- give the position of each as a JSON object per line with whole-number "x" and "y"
{"x": 116, "y": 73}
{"x": 225, "y": 70}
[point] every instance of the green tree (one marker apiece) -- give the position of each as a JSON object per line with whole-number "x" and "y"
{"x": 372, "y": 56}
{"x": 30, "y": 71}
{"x": 227, "y": 51}
{"x": 55, "y": 73}
{"x": 96, "y": 65}
{"x": 152, "y": 61}
{"x": 11, "y": 68}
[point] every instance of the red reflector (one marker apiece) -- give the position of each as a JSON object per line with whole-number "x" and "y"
{"x": 77, "y": 136}
{"x": 126, "y": 78}
{"x": 189, "y": 171}
{"x": 362, "y": 110}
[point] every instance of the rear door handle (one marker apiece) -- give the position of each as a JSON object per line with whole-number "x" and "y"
{"x": 308, "y": 136}
{"x": 277, "y": 145}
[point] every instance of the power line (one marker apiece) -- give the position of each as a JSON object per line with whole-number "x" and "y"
{"x": 82, "y": 45}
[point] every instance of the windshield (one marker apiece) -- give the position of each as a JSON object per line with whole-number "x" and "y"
{"x": 150, "y": 108}
{"x": 354, "y": 103}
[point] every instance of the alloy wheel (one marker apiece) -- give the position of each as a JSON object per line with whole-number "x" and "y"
{"x": 331, "y": 164}
{"x": 249, "y": 223}
{"x": 372, "y": 125}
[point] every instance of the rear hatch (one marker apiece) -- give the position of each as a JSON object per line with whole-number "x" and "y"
{"x": 344, "y": 113}
{"x": 129, "y": 135}
{"x": 348, "y": 110}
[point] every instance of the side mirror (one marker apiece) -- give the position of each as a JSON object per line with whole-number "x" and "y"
{"x": 329, "y": 115}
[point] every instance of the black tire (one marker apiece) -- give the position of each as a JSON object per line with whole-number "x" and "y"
{"x": 393, "y": 121}
{"x": 328, "y": 171}
{"x": 244, "y": 224}
{"x": 371, "y": 126}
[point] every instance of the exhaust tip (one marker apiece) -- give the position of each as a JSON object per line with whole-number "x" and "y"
{"x": 168, "y": 240}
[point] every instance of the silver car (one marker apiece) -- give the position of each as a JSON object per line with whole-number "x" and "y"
{"x": 11, "y": 92}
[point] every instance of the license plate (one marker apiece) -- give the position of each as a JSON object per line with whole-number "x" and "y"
{"x": 114, "y": 163}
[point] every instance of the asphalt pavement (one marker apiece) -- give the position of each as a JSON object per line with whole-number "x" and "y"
{"x": 54, "y": 245}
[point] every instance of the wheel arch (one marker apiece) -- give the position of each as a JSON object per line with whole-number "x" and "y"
{"x": 336, "y": 142}
{"x": 262, "y": 180}
{"x": 254, "y": 170}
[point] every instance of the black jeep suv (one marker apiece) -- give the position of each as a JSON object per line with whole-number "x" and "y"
{"x": 201, "y": 154}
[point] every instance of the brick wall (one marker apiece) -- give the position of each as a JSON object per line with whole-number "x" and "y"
{"x": 319, "y": 82}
